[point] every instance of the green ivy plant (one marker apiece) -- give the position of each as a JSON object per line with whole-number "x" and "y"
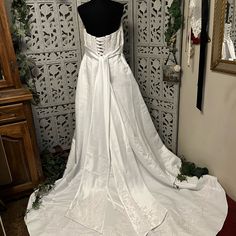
{"x": 174, "y": 23}
{"x": 20, "y": 29}
{"x": 190, "y": 169}
{"x": 53, "y": 165}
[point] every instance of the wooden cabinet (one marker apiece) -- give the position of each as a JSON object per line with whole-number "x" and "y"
{"x": 20, "y": 167}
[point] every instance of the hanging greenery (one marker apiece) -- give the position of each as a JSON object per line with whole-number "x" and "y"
{"x": 20, "y": 29}
{"x": 171, "y": 69}
{"x": 174, "y": 24}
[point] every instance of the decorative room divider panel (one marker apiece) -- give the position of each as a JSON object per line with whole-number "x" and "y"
{"x": 150, "y": 22}
{"x": 56, "y": 44}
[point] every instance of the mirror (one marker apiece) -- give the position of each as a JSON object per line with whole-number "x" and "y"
{"x": 224, "y": 37}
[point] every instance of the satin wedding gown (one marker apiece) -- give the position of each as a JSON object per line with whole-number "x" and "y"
{"x": 120, "y": 179}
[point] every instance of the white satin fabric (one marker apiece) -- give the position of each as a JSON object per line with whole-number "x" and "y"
{"x": 120, "y": 178}
{"x": 228, "y": 49}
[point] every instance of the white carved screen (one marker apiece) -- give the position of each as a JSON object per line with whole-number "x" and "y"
{"x": 56, "y": 45}
{"x": 150, "y": 22}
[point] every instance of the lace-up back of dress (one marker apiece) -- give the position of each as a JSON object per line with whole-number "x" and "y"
{"x": 105, "y": 44}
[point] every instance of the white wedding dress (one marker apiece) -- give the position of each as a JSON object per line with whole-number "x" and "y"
{"x": 120, "y": 179}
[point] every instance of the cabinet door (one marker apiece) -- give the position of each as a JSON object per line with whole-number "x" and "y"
{"x": 19, "y": 153}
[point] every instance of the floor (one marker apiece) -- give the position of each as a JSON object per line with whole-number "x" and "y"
{"x": 229, "y": 228}
{"x": 13, "y": 218}
{"x": 15, "y": 226}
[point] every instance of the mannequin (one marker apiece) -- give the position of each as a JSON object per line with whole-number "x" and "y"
{"x": 101, "y": 17}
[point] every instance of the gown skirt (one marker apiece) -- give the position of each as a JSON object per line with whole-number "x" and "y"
{"x": 120, "y": 179}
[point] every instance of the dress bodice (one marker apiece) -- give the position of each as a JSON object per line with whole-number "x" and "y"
{"x": 102, "y": 46}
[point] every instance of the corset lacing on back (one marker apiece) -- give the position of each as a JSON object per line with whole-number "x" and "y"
{"x": 104, "y": 46}
{"x": 100, "y": 46}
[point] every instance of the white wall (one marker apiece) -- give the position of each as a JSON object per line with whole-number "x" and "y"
{"x": 209, "y": 138}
